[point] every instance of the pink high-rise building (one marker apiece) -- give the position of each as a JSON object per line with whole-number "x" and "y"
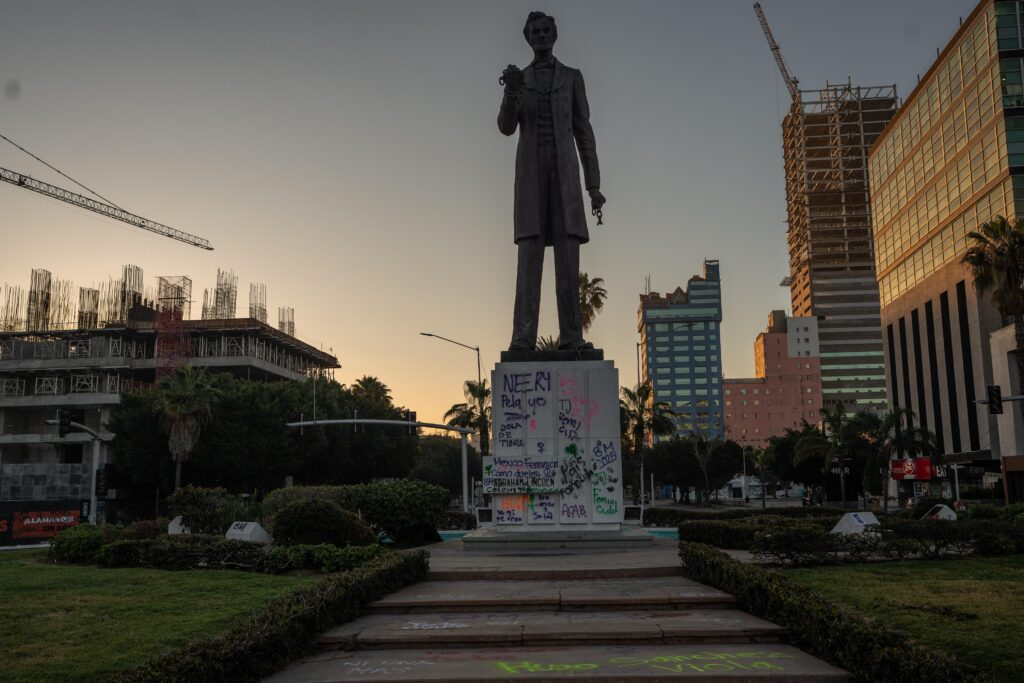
{"x": 787, "y": 388}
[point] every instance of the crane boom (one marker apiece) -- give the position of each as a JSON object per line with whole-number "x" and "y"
{"x": 75, "y": 199}
{"x": 791, "y": 83}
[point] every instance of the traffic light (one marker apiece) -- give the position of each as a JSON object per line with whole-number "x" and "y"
{"x": 995, "y": 400}
{"x": 63, "y": 422}
{"x": 410, "y": 416}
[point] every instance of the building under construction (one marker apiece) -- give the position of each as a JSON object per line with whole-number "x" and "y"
{"x": 826, "y": 138}
{"x": 81, "y": 349}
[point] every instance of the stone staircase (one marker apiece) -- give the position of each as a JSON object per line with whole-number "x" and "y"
{"x": 549, "y": 625}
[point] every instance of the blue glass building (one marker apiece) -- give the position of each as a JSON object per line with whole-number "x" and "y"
{"x": 681, "y": 351}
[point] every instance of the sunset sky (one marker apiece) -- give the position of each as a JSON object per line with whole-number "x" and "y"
{"x": 346, "y": 155}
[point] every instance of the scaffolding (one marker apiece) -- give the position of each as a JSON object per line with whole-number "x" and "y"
{"x": 826, "y": 137}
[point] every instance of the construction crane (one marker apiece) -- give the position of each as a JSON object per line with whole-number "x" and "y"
{"x": 75, "y": 199}
{"x": 791, "y": 82}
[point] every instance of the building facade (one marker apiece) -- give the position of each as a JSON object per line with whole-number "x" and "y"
{"x": 84, "y": 368}
{"x": 952, "y": 159}
{"x": 680, "y": 345}
{"x": 786, "y": 388}
{"x": 826, "y": 137}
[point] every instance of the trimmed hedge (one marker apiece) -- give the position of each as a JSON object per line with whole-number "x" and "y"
{"x": 286, "y": 628}
{"x": 314, "y": 521}
{"x": 658, "y": 517}
{"x": 323, "y": 558}
{"x": 866, "y": 648}
{"x": 407, "y": 510}
{"x": 184, "y": 552}
{"x": 80, "y": 544}
{"x": 740, "y": 534}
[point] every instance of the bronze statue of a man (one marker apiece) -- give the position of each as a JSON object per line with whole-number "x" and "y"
{"x": 547, "y": 102}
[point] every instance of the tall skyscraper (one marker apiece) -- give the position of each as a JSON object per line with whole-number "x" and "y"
{"x": 826, "y": 137}
{"x": 952, "y": 159}
{"x": 681, "y": 351}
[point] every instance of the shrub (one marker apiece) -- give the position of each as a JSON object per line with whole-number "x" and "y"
{"x": 457, "y": 521}
{"x": 283, "y": 630}
{"x": 932, "y": 537}
{"x": 407, "y": 510}
{"x": 798, "y": 544}
{"x": 980, "y": 511}
{"x": 80, "y": 544}
{"x": 1014, "y": 511}
{"x": 200, "y": 507}
{"x": 122, "y": 553}
{"x": 320, "y": 521}
{"x": 323, "y": 558}
{"x": 738, "y": 534}
{"x": 668, "y": 517}
{"x": 923, "y": 505}
{"x": 866, "y": 648}
{"x": 145, "y": 529}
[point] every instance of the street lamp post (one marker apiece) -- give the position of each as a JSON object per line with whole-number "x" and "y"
{"x": 482, "y": 426}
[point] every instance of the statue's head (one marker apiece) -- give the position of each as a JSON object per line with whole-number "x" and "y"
{"x": 540, "y": 31}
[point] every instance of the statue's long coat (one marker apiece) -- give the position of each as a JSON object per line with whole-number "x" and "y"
{"x": 570, "y": 115}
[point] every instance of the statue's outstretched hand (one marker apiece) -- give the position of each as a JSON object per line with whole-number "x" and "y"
{"x": 512, "y": 79}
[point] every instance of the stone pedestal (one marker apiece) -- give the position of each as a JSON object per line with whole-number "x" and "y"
{"x": 556, "y": 462}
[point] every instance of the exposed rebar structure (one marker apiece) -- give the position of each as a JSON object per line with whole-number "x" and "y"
{"x": 826, "y": 137}
{"x": 221, "y": 303}
{"x": 286, "y": 320}
{"x": 12, "y": 314}
{"x": 174, "y": 305}
{"x": 88, "y": 308}
{"x": 258, "y": 301}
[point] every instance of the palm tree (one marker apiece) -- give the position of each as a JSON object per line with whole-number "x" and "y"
{"x": 643, "y": 416}
{"x": 475, "y": 413}
{"x": 185, "y": 402}
{"x": 549, "y": 343}
{"x": 760, "y": 458}
{"x": 831, "y": 445}
{"x": 996, "y": 261}
{"x": 592, "y": 296}
{"x": 886, "y": 435}
{"x": 372, "y": 389}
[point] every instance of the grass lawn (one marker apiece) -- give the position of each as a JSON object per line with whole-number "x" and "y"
{"x": 972, "y": 608}
{"x": 79, "y": 623}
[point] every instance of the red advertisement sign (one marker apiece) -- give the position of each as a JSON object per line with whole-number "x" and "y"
{"x": 916, "y": 469}
{"x": 42, "y": 524}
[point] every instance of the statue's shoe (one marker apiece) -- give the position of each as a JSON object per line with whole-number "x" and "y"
{"x": 578, "y": 345}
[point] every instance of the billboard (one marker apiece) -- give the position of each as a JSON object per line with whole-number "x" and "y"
{"x": 36, "y": 521}
{"x": 912, "y": 469}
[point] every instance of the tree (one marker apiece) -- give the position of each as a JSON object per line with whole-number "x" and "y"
{"x": 829, "y": 447}
{"x": 475, "y": 413}
{"x": 372, "y": 389}
{"x": 439, "y": 461}
{"x": 760, "y": 458}
{"x": 884, "y": 435}
{"x": 996, "y": 261}
{"x": 184, "y": 401}
{"x": 642, "y": 416}
{"x": 592, "y": 297}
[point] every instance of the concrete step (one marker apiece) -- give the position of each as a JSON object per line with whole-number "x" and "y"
{"x": 745, "y": 663}
{"x": 659, "y": 593}
{"x": 469, "y": 629}
{"x": 548, "y": 574}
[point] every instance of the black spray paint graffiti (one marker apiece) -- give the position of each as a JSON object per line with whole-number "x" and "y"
{"x": 574, "y": 471}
